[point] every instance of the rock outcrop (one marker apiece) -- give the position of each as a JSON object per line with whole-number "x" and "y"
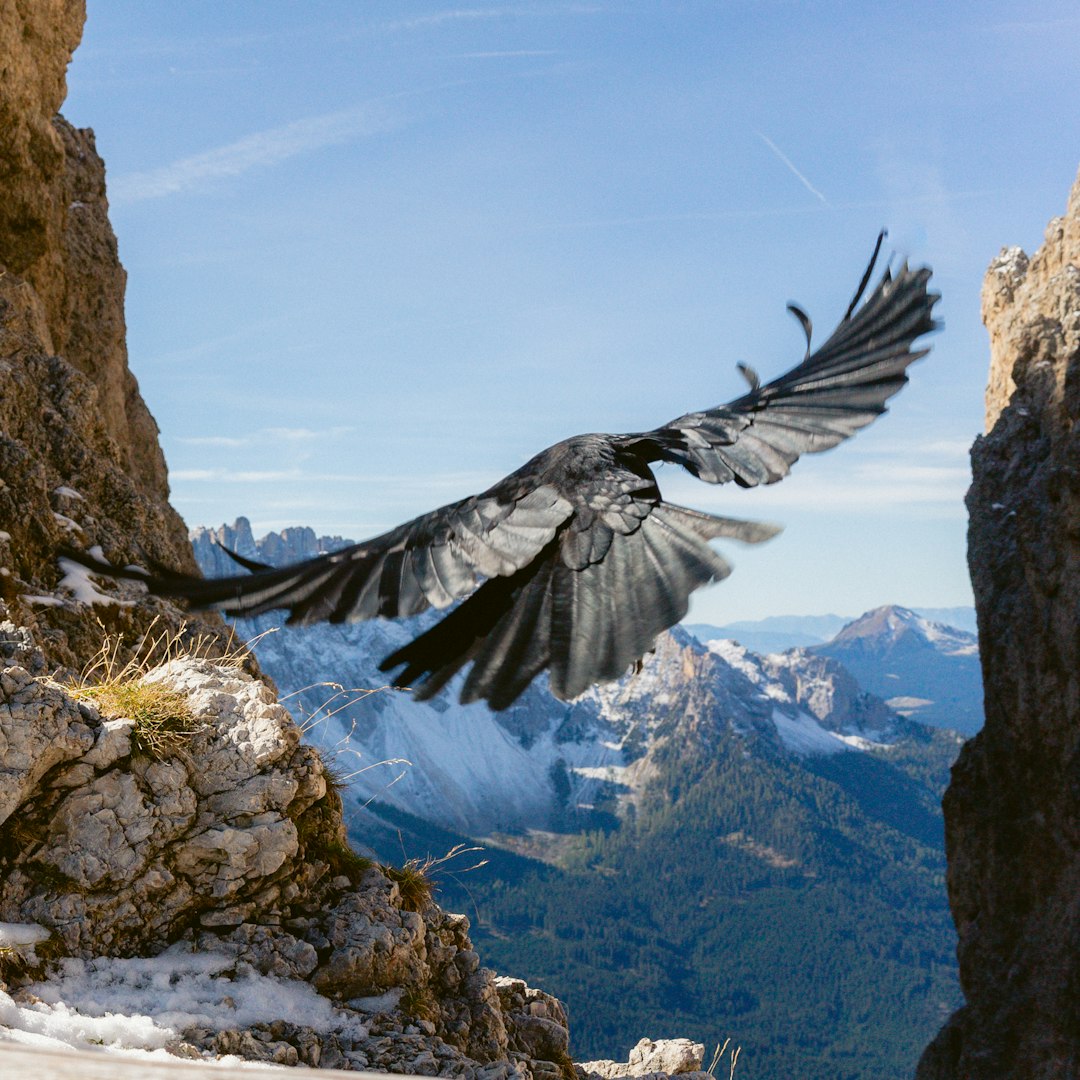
{"x": 1012, "y": 812}
{"x": 231, "y": 845}
{"x": 65, "y": 285}
{"x": 653, "y": 1058}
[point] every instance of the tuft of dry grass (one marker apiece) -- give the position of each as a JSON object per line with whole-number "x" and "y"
{"x": 415, "y": 880}
{"x": 162, "y": 717}
{"x": 718, "y": 1058}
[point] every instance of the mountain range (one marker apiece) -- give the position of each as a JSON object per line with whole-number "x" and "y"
{"x": 748, "y": 845}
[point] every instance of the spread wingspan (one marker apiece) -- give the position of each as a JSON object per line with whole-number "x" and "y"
{"x": 575, "y": 563}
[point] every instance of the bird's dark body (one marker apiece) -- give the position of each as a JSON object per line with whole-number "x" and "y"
{"x": 574, "y": 563}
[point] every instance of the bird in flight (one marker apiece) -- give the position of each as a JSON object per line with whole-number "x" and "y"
{"x": 575, "y": 563}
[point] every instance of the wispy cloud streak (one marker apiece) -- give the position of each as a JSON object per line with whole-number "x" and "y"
{"x": 258, "y": 150}
{"x": 452, "y": 15}
{"x": 791, "y": 165}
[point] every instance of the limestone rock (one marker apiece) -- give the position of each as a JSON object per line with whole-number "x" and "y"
{"x": 652, "y": 1059}
{"x": 234, "y": 843}
{"x": 1012, "y": 814}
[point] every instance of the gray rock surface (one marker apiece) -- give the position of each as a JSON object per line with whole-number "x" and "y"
{"x": 651, "y": 1060}
{"x": 234, "y": 844}
{"x": 1012, "y": 812}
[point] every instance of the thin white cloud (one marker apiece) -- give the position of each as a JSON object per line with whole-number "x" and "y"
{"x": 439, "y": 18}
{"x": 224, "y": 441}
{"x": 871, "y": 487}
{"x": 286, "y": 434}
{"x": 457, "y": 482}
{"x": 790, "y": 164}
{"x": 258, "y": 150}
{"x": 265, "y": 436}
{"x": 476, "y": 14}
{"x": 504, "y": 54}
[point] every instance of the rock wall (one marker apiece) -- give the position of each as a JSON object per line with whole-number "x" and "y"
{"x": 1012, "y": 812}
{"x": 79, "y": 456}
{"x": 54, "y": 229}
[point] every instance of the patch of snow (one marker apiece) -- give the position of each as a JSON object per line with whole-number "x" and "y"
{"x": 949, "y": 641}
{"x": 4, "y": 536}
{"x": 384, "y": 1003}
{"x": 70, "y": 524}
{"x": 907, "y": 705}
{"x": 13, "y": 935}
{"x": 69, "y": 493}
{"x": 860, "y": 742}
{"x": 77, "y": 579}
{"x": 140, "y": 1005}
{"x": 803, "y": 735}
{"x": 612, "y": 774}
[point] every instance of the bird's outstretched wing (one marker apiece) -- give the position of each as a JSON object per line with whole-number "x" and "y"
{"x": 827, "y": 398}
{"x": 575, "y": 563}
{"x": 430, "y": 561}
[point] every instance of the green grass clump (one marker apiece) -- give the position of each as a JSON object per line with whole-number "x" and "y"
{"x": 162, "y": 717}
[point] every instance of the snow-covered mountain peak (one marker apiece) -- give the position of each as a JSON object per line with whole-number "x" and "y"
{"x": 888, "y": 624}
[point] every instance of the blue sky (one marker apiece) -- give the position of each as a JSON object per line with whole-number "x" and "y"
{"x": 379, "y": 254}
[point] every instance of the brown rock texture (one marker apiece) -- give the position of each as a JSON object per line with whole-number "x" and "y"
{"x": 1012, "y": 811}
{"x": 54, "y": 225}
{"x": 79, "y": 457}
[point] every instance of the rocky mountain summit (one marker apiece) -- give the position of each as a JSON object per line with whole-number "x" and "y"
{"x": 1011, "y": 813}
{"x": 925, "y": 670}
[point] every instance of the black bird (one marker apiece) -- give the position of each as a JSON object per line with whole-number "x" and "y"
{"x": 575, "y": 562}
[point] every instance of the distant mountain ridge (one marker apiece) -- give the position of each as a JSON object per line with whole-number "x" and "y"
{"x": 538, "y": 762}
{"x": 776, "y": 633}
{"x": 751, "y": 844}
{"x": 923, "y": 669}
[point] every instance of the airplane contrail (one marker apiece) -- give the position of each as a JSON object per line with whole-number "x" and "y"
{"x": 788, "y": 162}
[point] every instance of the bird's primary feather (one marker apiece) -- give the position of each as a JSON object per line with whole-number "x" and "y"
{"x": 575, "y": 563}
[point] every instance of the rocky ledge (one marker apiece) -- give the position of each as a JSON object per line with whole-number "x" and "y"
{"x": 231, "y": 847}
{"x": 220, "y": 858}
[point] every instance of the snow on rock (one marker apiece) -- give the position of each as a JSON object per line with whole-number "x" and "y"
{"x": 15, "y": 935}
{"x": 148, "y": 1003}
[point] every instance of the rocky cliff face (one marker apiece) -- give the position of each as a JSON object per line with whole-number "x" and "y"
{"x": 55, "y": 234}
{"x": 1012, "y": 811}
{"x": 79, "y": 456}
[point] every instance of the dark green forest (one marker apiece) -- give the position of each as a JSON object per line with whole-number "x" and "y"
{"x": 796, "y": 906}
